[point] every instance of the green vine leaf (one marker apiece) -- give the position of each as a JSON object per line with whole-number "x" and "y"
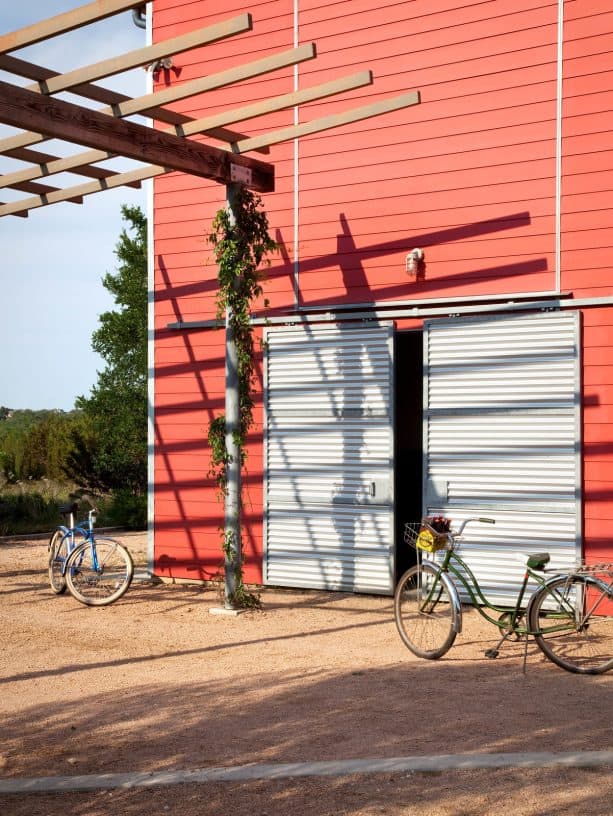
{"x": 241, "y": 244}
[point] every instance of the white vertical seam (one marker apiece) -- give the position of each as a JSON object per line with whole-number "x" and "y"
{"x": 296, "y": 179}
{"x": 559, "y": 100}
{"x": 150, "y": 344}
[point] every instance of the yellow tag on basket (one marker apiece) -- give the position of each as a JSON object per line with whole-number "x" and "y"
{"x": 429, "y": 542}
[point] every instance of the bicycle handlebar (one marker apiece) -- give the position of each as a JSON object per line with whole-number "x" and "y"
{"x": 482, "y": 519}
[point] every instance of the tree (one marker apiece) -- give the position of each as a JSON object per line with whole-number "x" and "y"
{"x": 111, "y": 447}
{"x": 36, "y": 444}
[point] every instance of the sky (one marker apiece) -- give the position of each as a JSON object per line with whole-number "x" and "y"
{"x": 53, "y": 262}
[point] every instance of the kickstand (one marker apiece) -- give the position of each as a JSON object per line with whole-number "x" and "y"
{"x": 492, "y": 653}
{"x": 495, "y": 651}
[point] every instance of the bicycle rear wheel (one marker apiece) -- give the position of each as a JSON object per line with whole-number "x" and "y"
{"x": 99, "y": 573}
{"x": 58, "y": 554}
{"x": 425, "y": 611}
{"x": 569, "y": 619}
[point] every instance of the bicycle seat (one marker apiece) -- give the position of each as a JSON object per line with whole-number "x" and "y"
{"x": 537, "y": 561}
{"x": 67, "y": 509}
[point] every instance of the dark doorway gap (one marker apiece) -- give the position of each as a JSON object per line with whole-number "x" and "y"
{"x": 409, "y": 440}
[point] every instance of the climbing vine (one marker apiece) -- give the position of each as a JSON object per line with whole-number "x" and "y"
{"x": 241, "y": 244}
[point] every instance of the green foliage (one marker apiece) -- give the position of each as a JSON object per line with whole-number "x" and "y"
{"x": 125, "y": 509}
{"x": 32, "y": 506}
{"x": 35, "y": 444}
{"x": 27, "y": 513}
{"x": 102, "y": 445}
{"x": 242, "y": 598}
{"x": 110, "y": 448}
{"x": 241, "y": 243}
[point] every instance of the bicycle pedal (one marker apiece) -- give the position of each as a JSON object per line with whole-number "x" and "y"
{"x": 492, "y": 653}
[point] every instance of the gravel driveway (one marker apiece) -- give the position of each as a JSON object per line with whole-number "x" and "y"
{"x": 156, "y": 683}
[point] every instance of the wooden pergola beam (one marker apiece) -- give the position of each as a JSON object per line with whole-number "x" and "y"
{"x": 77, "y": 163}
{"x": 145, "y": 103}
{"x": 376, "y": 109}
{"x": 129, "y": 178}
{"x": 278, "y": 103}
{"x": 143, "y": 56}
{"x": 29, "y": 70}
{"x": 62, "y": 120}
{"x": 37, "y": 157}
{"x": 44, "y": 190}
{"x": 62, "y": 23}
{"x": 329, "y": 122}
{"x": 21, "y": 213}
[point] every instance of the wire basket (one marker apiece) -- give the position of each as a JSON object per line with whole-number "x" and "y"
{"x": 421, "y": 536}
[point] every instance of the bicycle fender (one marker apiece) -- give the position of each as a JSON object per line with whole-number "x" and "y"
{"x": 453, "y": 594}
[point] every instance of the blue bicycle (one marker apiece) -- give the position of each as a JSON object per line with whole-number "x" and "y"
{"x": 97, "y": 571}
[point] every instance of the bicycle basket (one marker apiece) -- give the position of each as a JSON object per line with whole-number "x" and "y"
{"x": 423, "y": 537}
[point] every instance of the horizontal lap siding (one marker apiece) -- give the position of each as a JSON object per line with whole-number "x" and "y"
{"x": 587, "y": 211}
{"x": 185, "y": 206}
{"x": 190, "y": 382}
{"x": 468, "y": 175}
{"x": 598, "y": 433}
{"x": 190, "y": 386}
{"x": 587, "y": 239}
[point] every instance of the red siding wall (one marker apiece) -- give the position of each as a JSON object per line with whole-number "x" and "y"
{"x": 468, "y": 175}
{"x": 587, "y": 239}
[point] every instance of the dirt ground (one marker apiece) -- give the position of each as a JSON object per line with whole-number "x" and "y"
{"x": 155, "y": 682}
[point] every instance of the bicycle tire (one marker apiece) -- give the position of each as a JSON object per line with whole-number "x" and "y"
{"x": 427, "y": 632}
{"x": 572, "y": 640}
{"x": 58, "y": 553}
{"x": 109, "y": 581}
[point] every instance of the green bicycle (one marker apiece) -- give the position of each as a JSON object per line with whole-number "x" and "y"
{"x": 569, "y": 615}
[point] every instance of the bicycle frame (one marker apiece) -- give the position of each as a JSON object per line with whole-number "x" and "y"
{"x": 478, "y": 599}
{"x": 86, "y": 529}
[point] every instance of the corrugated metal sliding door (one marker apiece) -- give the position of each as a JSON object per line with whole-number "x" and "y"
{"x": 329, "y": 450}
{"x": 502, "y": 438}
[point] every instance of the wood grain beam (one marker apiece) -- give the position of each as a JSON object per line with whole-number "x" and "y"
{"x": 357, "y": 114}
{"x": 29, "y": 70}
{"x": 62, "y": 23}
{"x": 329, "y": 122}
{"x": 62, "y": 120}
{"x": 145, "y": 103}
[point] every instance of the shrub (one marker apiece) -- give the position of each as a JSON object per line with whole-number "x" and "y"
{"x": 126, "y": 509}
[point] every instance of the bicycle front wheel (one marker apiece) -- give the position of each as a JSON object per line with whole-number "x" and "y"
{"x": 425, "y": 612}
{"x": 571, "y": 624}
{"x": 99, "y": 572}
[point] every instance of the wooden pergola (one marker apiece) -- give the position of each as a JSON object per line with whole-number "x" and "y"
{"x": 108, "y": 132}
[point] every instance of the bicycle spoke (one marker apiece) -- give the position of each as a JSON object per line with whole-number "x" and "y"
{"x": 571, "y": 624}
{"x": 424, "y": 612}
{"x": 99, "y": 574}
